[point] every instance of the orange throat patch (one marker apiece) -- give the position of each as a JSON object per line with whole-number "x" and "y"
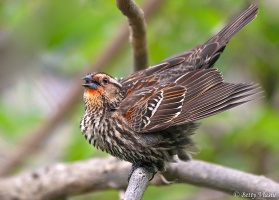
{"x": 92, "y": 98}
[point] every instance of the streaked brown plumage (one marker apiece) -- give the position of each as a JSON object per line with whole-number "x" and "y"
{"x": 148, "y": 117}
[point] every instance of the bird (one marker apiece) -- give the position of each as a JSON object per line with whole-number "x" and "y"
{"x": 148, "y": 118}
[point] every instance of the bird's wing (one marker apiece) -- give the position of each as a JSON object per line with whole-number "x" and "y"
{"x": 189, "y": 97}
{"x": 151, "y": 105}
{"x": 201, "y": 57}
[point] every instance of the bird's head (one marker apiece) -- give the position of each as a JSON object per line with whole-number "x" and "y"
{"x": 102, "y": 90}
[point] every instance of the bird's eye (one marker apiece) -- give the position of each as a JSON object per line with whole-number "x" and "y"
{"x": 105, "y": 80}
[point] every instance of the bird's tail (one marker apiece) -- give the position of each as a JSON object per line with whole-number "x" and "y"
{"x": 235, "y": 26}
{"x": 213, "y": 48}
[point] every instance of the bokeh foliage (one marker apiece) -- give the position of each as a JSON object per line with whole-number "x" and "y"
{"x": 45, "y": 43}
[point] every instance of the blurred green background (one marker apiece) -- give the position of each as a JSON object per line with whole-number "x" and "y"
{"x": 45, "y": 44}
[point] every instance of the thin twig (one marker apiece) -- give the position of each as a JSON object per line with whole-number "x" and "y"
{"x": 32, "y": 141}
{"x": 60, "y": 180}
{"x": 137, "y": 26}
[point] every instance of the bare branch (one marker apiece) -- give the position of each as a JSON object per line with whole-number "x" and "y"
{"x": 137, "y": 26}
{"x": 137, "y": 184}
{"x": 221, "y": 178}
{"x": 61, "y": 180}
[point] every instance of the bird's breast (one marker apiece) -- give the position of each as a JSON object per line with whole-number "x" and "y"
{"x": 94, "y": 130}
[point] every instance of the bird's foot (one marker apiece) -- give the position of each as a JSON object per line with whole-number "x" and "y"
{"x": 146, "y": 166}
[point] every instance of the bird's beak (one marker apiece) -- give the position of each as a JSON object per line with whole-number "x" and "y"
{"x": 90, "y": 85}
{"x": 90, "y": 82}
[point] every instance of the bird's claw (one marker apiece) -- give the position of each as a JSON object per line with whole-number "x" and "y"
{"x": 146, "y": 166}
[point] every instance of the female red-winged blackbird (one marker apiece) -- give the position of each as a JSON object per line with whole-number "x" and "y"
{"x": 148, "y": 117}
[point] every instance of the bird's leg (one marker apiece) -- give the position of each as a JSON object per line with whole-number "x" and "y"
{"x": 146, "y": 166}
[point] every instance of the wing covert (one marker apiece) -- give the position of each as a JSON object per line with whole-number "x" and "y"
{"x": 160, "y": 106}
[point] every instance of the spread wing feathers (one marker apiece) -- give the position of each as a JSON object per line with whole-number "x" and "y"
{"x": 192, "y": 96}
{"x": 219, "y": 98}
{"x": 197, "y": 83}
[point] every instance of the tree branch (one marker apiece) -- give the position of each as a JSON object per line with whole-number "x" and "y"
{"x": 62, "y": 180}
{"x": 137, "y": 184}
{"x": 137, "y": 26}
{"x": 221, "y": 178}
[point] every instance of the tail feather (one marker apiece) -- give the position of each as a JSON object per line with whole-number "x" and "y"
{"x": 235, "y": 26}
{"x": 212, "y": 49}
{"x": 204, "y": 56}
